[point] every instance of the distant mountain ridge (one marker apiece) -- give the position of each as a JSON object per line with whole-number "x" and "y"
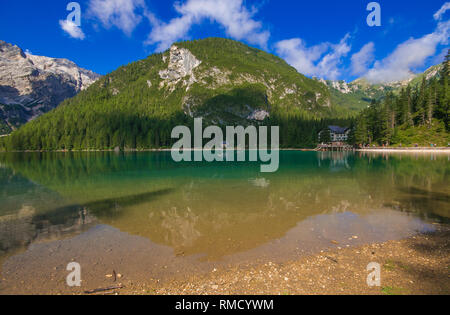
{"x": 32, "y": 85}
{"x": 225, "y": 82}
{"x": 358, "y": 94}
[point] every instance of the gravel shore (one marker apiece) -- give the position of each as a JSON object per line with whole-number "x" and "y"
{"x": 418, "y": 265}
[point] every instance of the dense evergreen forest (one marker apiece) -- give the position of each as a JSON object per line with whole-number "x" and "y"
{"x": 132, "y": 109}
{"x": 419, "y": 115}
{"x": 140, "y": 133}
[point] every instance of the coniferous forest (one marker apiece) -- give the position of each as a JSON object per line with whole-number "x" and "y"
{"x": 134, "y": 108}
{"x": 418, "y": 115}
{"x": 128, "y": 110}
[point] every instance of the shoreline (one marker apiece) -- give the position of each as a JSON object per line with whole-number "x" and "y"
{"x": 415, "y": 265}
{"x": 406, "y": 150}
{"x": 375, "y": 150}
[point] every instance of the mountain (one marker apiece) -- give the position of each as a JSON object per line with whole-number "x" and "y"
{"x": 430, "y": 73}
{"x": 32, "y": 85}
{"x": 221, "y": 80}
{"x": 415, "y": 116}
{"x": 357, "y": 95}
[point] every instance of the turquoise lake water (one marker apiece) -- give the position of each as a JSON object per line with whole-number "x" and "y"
{"x": 142, "y": 211}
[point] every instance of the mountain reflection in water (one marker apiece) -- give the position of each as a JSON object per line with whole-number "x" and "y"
{"x": 219, "y": 210}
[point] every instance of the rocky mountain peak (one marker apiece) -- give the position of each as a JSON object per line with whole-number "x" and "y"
{"x": 32, "y": 85}
{"x": 11, "y": 51}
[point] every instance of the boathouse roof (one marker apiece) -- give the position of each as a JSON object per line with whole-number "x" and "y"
{"x": 338, "y": 129}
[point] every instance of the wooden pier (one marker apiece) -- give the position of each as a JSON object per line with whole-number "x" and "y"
{"x": 334, "y": 147}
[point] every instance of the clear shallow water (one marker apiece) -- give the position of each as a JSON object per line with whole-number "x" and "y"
{"x": 149, "y": 215}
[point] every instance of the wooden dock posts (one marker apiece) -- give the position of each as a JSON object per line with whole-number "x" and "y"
{"x": 338, "y": 147}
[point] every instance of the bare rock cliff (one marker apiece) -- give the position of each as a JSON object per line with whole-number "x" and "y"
{"x": 32, "y": 85}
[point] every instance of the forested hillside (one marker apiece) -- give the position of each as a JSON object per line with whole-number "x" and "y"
{"x": 357, "y": 95}
{"x": 223, "y": 81}
{"x": 419, "y": 115}
{"x": 228, "y": 83}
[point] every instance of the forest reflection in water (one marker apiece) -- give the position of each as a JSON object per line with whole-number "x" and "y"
{"x": 218, "y": 210}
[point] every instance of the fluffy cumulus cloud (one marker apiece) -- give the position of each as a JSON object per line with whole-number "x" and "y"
{"x": 232, "y": 15}
{"x": 363, "y": 59}
{"x": 326, "y": 60}
{"x": 123, "y": 14}
{"x": 72, "y": 29}
{"x": 409, "y": 55}
{"x": 323, "y": 60}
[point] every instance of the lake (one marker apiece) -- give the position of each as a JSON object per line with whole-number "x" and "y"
{"x": 145, "y": 216}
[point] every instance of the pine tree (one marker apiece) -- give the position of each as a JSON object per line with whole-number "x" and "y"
{"x": 445, "y": 91}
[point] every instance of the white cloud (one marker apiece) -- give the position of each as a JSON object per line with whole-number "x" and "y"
{"x": 72, "y": 29}
{"x": 409, "y": 55}
{"x": 123, "y": 14}
{"x": 232, "y": 15}
{"x": 362, "y": 59}
{"x": 438, "y": 15}
{"x": 322, "y": 60}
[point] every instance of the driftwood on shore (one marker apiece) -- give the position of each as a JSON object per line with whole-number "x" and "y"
{"x": 116, "y": 287}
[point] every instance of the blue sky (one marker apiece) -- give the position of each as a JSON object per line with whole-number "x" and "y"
{"x": 327, "y": 38}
